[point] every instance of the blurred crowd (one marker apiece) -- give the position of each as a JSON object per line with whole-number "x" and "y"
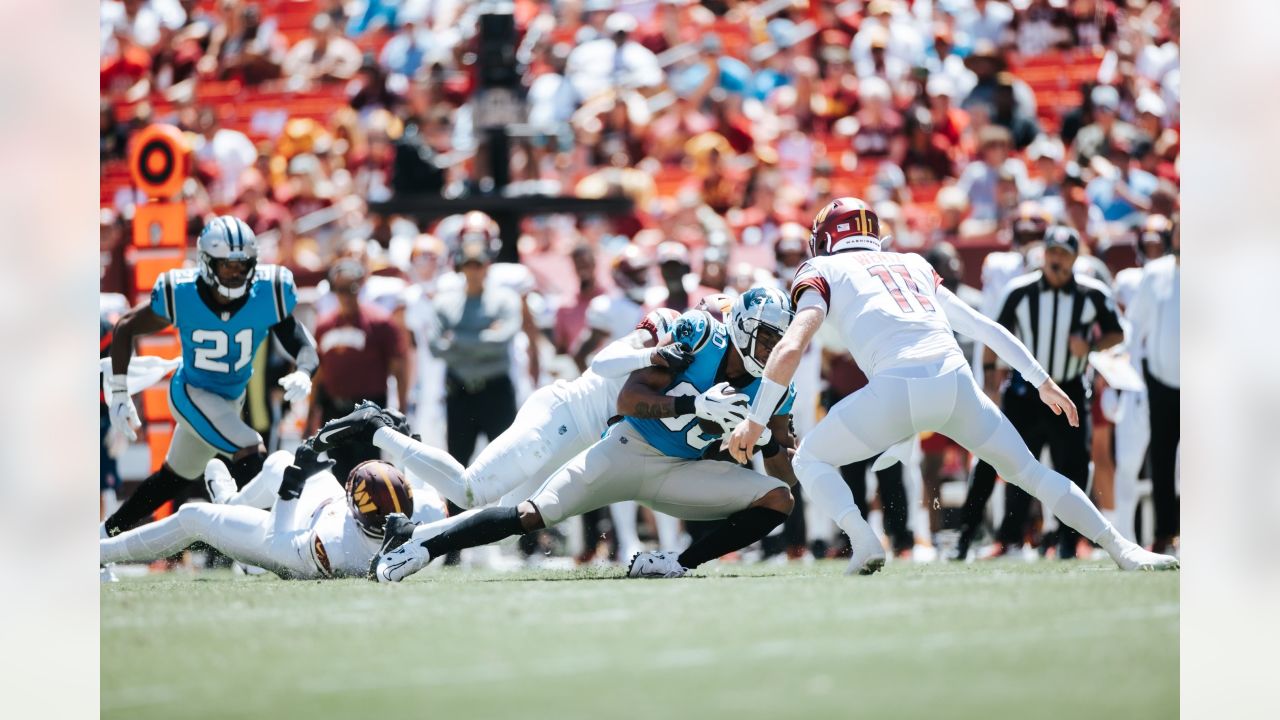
{"x": 727, "y": 123}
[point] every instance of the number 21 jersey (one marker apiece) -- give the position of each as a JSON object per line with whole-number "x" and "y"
{"x": 218, "y": 347}
{"x": 884, "y": 305}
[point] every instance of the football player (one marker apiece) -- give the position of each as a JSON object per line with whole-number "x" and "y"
{"x": 896, "y": 319}
{"x": 671, "y": 418}
{"x": 316, "y": 528}
{"x": 222, "y": 310}
{"x": 556, "y": 423}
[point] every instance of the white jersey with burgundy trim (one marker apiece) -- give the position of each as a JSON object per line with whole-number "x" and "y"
{"x": 884, "y": 306}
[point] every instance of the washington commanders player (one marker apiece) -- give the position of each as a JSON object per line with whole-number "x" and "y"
{"x": 222, "y": 310}
{"x": 316, "y": 527}
{"x": 896, "y": 319}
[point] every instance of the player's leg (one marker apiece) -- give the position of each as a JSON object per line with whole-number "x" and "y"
{"x": 543, "y": 436}
{"x": 858, "y": 427}
{"x": 1132, "y": 433}
{"x": 184, "y": 464}
{"x": 216, "y": 419}
{"x": 607, "y": 472}
{"x": 977, "y": 424}
{"x": 261, "y": 491}
{"x": 893, "y": 505}
{"x": 240, "y": 533}
{"x": 751, "y": 504}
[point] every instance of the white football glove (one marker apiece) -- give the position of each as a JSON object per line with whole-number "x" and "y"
{"x": 124, "y": 416}
{"x": 724, "y": 405}
{"x": 297, "y": 385}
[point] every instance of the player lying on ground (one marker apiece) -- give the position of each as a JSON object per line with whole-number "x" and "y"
{"x": 896, "y": 320}
{"x": 652, "y": 456}
{"x": 556, "y": 423}
{"x": 316, "y": 528}
{"x": 223, "y": 311}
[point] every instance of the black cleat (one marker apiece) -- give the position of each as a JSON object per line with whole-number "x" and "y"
{"x": 396, "y": 531}
{"x": 358, "y": 426}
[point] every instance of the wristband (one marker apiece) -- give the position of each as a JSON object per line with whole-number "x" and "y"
{"x": 684, "y": 405}
{"x": 119, "y": 383}
{"x": 771, "y": 448}
{"x": 767, "y": 399}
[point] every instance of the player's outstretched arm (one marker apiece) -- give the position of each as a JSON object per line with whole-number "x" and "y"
{"x": 642, "y": 396}
{"x": 141, "y": 320}
{"x": 971, "y": 323}
{"x": 621, "y": 357}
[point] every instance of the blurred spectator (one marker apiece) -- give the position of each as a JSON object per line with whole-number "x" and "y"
{"x": 222, "y": 155}
{"x": 1097, "y": 137}
{"x": 360, "y": 349}
{"x": 980, "y": 178}
{"x": 323, "y": 56}
{"x": 680, "y": 290}
{"x": 244, "y": 46}
{"x": 1121, "y": 188}
{"x": 477, "y": 323}
{"x": 614, "y": 60}
{"x": 571, "y": 318}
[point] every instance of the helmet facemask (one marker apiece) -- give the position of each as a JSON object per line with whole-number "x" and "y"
{"x": 227, "y": 239}
{"x": 758, "y": 320}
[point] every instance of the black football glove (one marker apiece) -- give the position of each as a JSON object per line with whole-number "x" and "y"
{"x": 677, "y": 356}
{"x": 306, "y": 462}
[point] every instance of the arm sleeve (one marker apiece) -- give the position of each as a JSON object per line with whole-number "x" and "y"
{"x": 296, "y": 341}
{"x": 162, "y": 297}
{"x": 620, "y": 358}
{"x": 967, "y": 321}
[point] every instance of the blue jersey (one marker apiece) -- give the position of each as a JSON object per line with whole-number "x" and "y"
{"x": 709, "y": 340}
{"x": 217, "y": 348}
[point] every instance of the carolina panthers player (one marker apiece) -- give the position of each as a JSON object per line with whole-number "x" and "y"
{"x": 556, "y": 423}
{"x": 222, "y": 310}
{"x": 314, "y": 529}
{"x": 653, "y": 456}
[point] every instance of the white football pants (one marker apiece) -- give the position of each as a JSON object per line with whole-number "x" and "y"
{"x": 942, "y": 398}
{"x": 1132, "y": 435}
{"x": 246, "y": 534}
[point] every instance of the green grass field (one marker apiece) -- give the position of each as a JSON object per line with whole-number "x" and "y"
{"x": 987, "y": 640}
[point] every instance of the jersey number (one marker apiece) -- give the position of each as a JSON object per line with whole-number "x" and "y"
{"x": 211, "y": 358}
{"x": 694, "y": 436}
{"x": 887, "y": 274}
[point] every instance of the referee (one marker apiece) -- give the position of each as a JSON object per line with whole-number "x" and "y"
{"x": 1061, "y": 317}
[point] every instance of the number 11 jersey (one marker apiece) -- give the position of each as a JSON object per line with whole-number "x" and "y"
{"x": 884, "y": 306}
{"x": 217, "y": 345}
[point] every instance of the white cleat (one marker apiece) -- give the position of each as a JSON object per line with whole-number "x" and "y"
{"x": 649, "y": 564}
{"x": 1138, "y": 558}
{"x": 402, "y": 562}
{"x": 868, "y": 554}
{"x": 106, "y": 575}
{"x": 218, "y": 481}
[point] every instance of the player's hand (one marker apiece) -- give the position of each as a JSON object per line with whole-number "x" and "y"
{"x": 1058, "y": 402}
{"x": 124, "y": 416}
{"x": 743, "y": 441}
{"x": 675, "y": 357}
{"x": 722, "y": 404}
{"x": 1078, "y": 346}
{"x": 297, "y": 385}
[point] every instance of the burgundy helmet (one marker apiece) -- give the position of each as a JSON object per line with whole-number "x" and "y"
{"x": 374, "y": 490}
{"x": 846, "y": 223}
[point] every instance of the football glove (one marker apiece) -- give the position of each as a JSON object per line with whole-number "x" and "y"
{"x": 297, "y": 385}
{"x": 124, "y": 416}
{"x": 676, "y": 356}
{"x": 722, "y": 404}
{"x": 306, "y": 463}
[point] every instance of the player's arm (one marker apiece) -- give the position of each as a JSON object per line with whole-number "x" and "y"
{"x": 621, "y": 357}
{"x": 595, "y": 338}
{"x": 969, "y": 322}
{"x": 293, "y": 337}
{"x": 144, "y": 319}
{"x": 642, "y": 396}
{"x": 140, "y": 320}
{"x": 596, "y": 331}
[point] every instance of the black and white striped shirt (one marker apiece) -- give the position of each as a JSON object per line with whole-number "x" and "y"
{"x": 1044, "y": 319}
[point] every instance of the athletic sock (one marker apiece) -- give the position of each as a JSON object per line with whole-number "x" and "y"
{"x": 484, "y": 527}
{"x": 162, "y": 486}
{"x": 247, "y": 468}
{"x": 738, "y": 531}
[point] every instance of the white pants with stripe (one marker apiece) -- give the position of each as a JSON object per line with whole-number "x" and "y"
{"x": 942, "y": 398}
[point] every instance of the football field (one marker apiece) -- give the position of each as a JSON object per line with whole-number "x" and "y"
{"x": 993, "y": 639}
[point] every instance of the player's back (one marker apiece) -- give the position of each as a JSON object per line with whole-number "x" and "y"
{"x": 884, "y": 305}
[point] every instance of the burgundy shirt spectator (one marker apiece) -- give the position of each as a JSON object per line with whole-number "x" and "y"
{"x": 356, "y": 353}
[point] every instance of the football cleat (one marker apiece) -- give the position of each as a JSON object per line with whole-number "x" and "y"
{"x": 107, "y": 575}
{"x": 218, "y": 481}
{"x": 1137, "y": 558}
{"x": 402, "y": 562}
{"x": 868, "y": 554}
{"x": 358, "y": 426}
{"x": 658, "y": 564}
{"x": 396, "y": 531}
